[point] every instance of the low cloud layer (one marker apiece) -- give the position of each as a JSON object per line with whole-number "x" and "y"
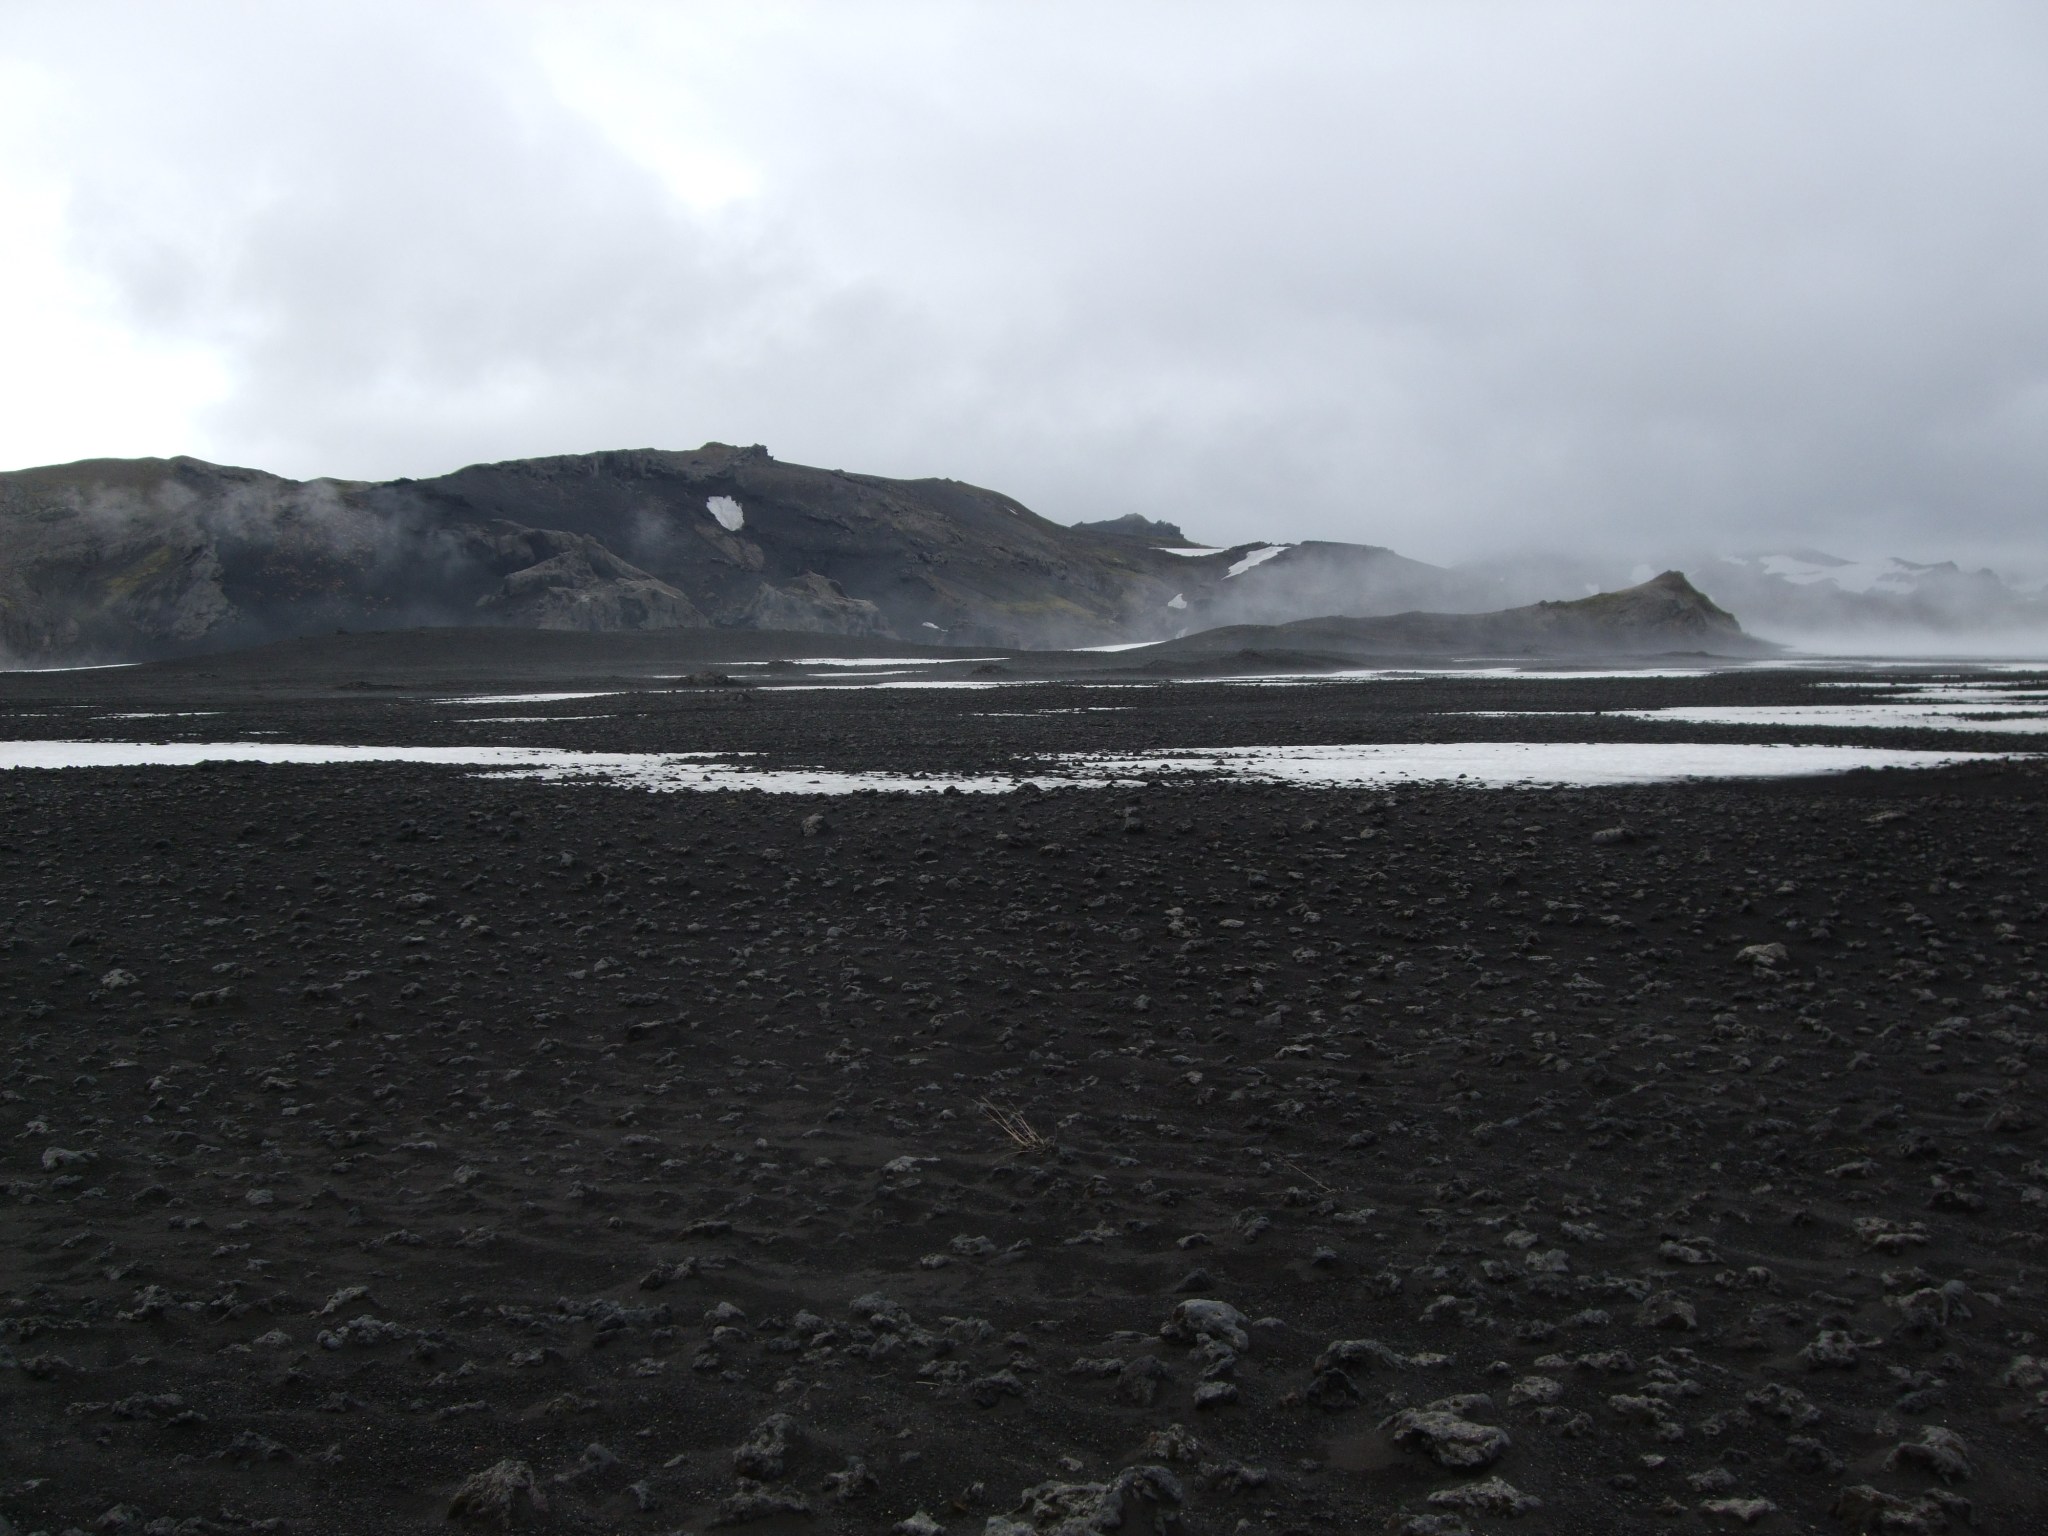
{"x": 1448, "y": 277}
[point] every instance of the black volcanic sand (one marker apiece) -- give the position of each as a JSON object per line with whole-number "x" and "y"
{"x": 1201, "y": 1156}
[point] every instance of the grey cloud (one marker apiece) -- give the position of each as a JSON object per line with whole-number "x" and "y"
{"x": 1446, "y": 277}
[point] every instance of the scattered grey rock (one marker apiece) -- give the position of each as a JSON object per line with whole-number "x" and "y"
{"x": 1741, "y": 1511}
{"x": 987, "y": 1391}
{"x": 500, "y": 1494}
{"x": 752, "y": 1501}
{"x": 1149, "y": 1495}
{"x": 1489, "y": 1496}
{"x": 1535, "y": 1389}
{"x": 1173, "y": 1443}
{"x": 767, "y": 1452}
{"x": 1803, "y": 1453}
{"x": 853, "y": 1481}
{"x": 1446, "y": 1438}
{"x": 1941, "y": 1452}
{"x": 1138, "y": 1381}
{"x": 1206, "y": 1319}
{"x": 1669, "y": 1311}
{"x": 1215, "y": 1394}
{"x": 1832, "y": 1349}
{"x": 1869, "y": 1511}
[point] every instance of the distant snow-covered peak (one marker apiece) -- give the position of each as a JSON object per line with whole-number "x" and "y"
{"x": 1808, "y": 568}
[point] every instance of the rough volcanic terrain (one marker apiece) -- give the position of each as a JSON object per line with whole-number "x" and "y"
{"x": 389, "y": 1148}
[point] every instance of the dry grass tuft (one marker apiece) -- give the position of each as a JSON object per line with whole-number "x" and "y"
{"x": 1025, "y": 1140}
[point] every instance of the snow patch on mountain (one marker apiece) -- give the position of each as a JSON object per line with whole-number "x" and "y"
{"x": 1256, "y": 557}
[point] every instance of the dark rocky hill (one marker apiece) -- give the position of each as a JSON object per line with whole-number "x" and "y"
{"x": 1666, "y": 613}
{"x": 114, "y": 559}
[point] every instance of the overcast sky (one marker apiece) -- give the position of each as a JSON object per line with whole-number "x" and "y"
{"x": 1453, "y": 277}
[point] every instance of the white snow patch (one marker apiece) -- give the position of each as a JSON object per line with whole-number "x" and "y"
{"x": 1486, "y": 764}
{"x": 2009, "y": 719}
{"x": 524, "y": 698}
{"x": 1479, "y": 764}
{"x": 1180, "y": 600}
{"x": 144, "y": 754}
{"x": 851, "y": 676}
{"x": 1121, "y": 645}
{"x": 1256, "y": 557}
{"x": 1033, "y": 714}
{"x": 1935, "y": 691}
{"x": 887, "y": 661}
{"x": 731, "y": 516}
{"x": 920, "y": 682}
{"x": 643, "y": 770}
{"x": 666, "y": 773}
{"x": 1418, "y": 674}
{"x": 1984, "y": 692}
{"x": 1168, "y": 549}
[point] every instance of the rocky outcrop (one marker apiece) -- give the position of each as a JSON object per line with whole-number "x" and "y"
{"x": 1144, "y": 530}
{"x": 814, "y": 604}
{"x": 570, "y": 581}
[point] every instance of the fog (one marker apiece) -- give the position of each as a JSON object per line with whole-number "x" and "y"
{"x": 1460, "y": 279}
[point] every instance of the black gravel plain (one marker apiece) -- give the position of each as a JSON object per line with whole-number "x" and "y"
{"x": 389, "y": 1148}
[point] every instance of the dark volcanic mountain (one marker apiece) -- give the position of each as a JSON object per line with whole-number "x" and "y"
{"x": 114, "y": 559}
{"x": 123, "y": 558}
{"x": 1666, "y": 613}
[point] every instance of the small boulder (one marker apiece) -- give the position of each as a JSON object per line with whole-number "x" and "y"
{"x": 1669, "y": 1311}
{"x": 499, "y": 1494}
{"x": 1447, "y": 1438}
{"x": 1940, "y": 1451}
{"x": 1488, "y": 1496}
{"x": 768, "y": 1451}
{"x": 1202, "y": 1318}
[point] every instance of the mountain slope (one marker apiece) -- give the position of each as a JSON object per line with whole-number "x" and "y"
{"x": 115, "y": 559}
{"x": 1664, "y": 614}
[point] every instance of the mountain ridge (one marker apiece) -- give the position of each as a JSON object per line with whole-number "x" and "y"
{"x": 127, "y": 559}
